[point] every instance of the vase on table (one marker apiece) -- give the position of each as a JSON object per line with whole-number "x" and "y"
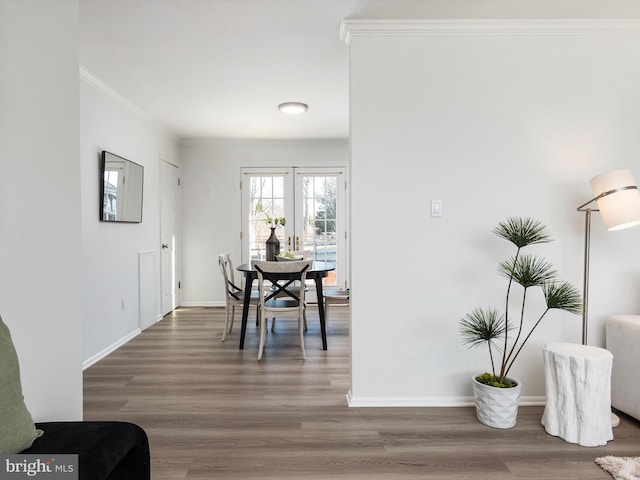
{"x": 272, "y": 246}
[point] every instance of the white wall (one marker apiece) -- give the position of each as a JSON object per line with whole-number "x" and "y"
{"x": 40, "y": 242}
{"x": 494, "y": 126}
{"x": 211, "y": 201}
{"x": 110, "y": 250}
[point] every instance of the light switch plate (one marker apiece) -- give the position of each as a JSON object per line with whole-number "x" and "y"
{"x": 436, "y": 208}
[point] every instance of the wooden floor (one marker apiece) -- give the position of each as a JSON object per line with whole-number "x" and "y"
{"x": 214, "y": 412}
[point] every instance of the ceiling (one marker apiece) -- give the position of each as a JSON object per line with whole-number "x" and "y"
{"x": 219, "y": 68}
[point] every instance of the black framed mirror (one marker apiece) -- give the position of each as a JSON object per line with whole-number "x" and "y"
{"x": 121, "y": 189}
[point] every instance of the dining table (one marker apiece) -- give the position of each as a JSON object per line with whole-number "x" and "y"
{"x": 319, "y": 270}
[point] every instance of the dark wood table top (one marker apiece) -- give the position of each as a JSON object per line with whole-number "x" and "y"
{"x": 317, "y": 267}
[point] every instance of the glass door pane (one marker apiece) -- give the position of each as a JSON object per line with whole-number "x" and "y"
{"x": 320, "y": 220}
{"x": 267, "y": 193}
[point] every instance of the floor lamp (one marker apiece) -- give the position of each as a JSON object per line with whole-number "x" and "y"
{"x": 618, "y": 201}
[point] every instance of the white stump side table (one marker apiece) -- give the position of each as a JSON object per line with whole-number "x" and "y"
{"x": 578, "y": 388}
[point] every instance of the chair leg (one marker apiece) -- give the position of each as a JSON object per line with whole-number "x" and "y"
{"x": 226, "y": 323}
{"x": 301, "y": 332}
{"x": 233, "y": 314}
{"x": 273, "y": 324}
{"x": 263, "y": 333}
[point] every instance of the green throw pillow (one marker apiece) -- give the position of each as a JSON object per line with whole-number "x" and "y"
{"x": 17, "y": 430}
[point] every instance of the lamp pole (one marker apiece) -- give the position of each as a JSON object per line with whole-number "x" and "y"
{"x": 585, "y": 284}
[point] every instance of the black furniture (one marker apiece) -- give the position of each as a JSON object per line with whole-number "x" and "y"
{"x": 106, "y": 450}
{"x": 318, "y": 271}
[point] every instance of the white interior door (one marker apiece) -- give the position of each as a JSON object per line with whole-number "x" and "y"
{"x": 170, "y": 183}
{"x": 313, "y": 202}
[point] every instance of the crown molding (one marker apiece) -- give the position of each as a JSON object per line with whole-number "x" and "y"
{"x": 99, "y": 85}
{"x": 361, "y": 28}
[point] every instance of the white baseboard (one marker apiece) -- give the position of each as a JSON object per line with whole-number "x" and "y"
{"x": 427, "y": 401}
{"x": 215, "y": 303}
{"x": 111, "y": 348}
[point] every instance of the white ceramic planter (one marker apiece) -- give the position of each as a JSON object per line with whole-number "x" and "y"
{"x": 496, "y": 407}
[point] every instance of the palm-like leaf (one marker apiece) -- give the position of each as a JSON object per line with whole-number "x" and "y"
{"x": 485, "y": 327}
{"x": 481, "y": 327}
{"x": 522, "y": 231}
{"x": 563, "y": 296}
{"x": 528, "y": 270}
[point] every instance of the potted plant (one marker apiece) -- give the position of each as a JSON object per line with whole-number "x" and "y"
{"x": 504, "y": 338}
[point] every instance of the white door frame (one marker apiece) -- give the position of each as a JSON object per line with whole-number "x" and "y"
{"x": 342, "y": 247}
{"x": 288, "y": 174}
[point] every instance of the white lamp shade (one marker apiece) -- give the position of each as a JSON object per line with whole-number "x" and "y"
{"x": 620, "y": 208}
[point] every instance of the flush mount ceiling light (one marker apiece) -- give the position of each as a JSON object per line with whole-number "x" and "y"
{"x": 293, "y": 107}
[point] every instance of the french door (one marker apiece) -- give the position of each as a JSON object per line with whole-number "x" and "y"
{"x": 312, "y": 200}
